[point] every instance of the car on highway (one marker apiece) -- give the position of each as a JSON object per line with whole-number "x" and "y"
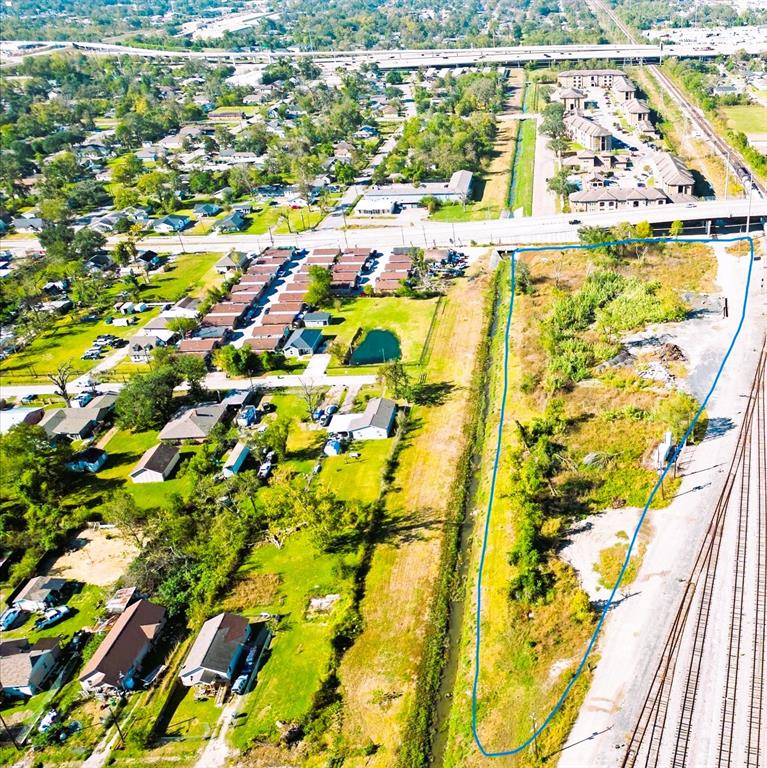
{"x": 53, "y": 616}
{"x": 574, "y": 221}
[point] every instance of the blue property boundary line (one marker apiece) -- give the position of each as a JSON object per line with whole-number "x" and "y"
{"x": 477, "y": 666}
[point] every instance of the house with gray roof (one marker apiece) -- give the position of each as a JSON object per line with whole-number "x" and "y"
{"x": 216, "y": 651}
{"x": 25, "y": 667}
{"x": 588, "y": 133}
{"x": 302, "y": 342}
{"x": 39, "y": 593}
{"x": 156, "y": 465}
{"x": 194, "y": 423}
{"x": 671, "y": 174}
{"x": 376, "y": 422}
{"x": 385, "y": 197}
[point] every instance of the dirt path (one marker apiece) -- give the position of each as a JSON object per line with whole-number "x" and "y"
{"x": 217, "y": 751}
{"x": 378, "y": 674}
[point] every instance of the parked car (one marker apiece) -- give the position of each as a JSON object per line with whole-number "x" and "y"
{"x": 248, "y": 415}
{"x": 27, "y": 399}
{"x": 264, "y": 470}
{"x": 51, "y": 716}
{"x": 332, "y": 409}
{"x": 240, "y": 684}
{"x": 9, "y": 617}
{"x": 318, "y": 414}
{"x": 53, "y": 616}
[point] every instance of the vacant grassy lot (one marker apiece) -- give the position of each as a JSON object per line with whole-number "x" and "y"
{"x": 301, "y": 648}
{"x": 408, "y": 319}
{"x": 529, "y": 651}
{"x": 283, "y": 220}
{"x": 186, "y": 274}
{"x": 357, "y": 479}
{"x": 378, "y": 673}
{"x": 748, "y": 118}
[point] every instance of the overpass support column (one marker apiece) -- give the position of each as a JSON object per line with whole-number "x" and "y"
{"x": 708, "y": 227}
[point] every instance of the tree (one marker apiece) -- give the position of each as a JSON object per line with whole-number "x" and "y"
{"x": 395, "y": 377}
{"x": 33, "y": 466}
{"x": 126, "y": 169}
{"x": 677, "y": 228}
{"x": 559, "y": 144}
{"x": 122, "y": 511}
{"x": 60, "y": 379}
{"x": 561, "y": 184}
{"x": 146, "y": 401}
{"x": 86, "y": 244}
{"x": 56, "y": 238}
{"x": 319, "y": 292}
{"x": 273, "y": 438}
{"x": 431, "y": 203}
{"x": 125, "y": 252}
{"x": 311, "y": 394}
{"x": 236, "y": 361}
{"x": 182, "y": 325}
{"x": 192, "y": 370}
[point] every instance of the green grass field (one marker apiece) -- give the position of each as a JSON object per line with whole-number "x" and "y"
{"x": 188, "y": 272}
{"x": 524, "y": 168}
{"x": 358, "y": 479}
{"x": 748, "y": 119}
{"x": 301, "y": 648}
{"x": 283, "y": 220}
{"x": 408, "y": 319}
{"x": 124, "y": 450}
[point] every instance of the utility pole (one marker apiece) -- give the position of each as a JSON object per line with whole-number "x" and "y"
{"x": 10, "y": 733}
{"x": 750, "y": 197}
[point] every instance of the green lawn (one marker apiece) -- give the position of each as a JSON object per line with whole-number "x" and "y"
{"x": 274, "y": 216}
{"x": 87, "y": 605}
{"x": 70, "y": 335}
{"x": 67, "y": 340}
{"x": 524, "y": 168}
{"x": 476, "y": 211}
{"x": 301, "y": 649}
{"x": 124, "y": 450}
{"x": 358, "y": 479}
{"x": 181, "y": 276}
{"x": 751, "y": 118}
{"x": 408, "y": 319}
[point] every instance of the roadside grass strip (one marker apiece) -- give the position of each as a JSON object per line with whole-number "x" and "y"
{"x": 486, "y": 752}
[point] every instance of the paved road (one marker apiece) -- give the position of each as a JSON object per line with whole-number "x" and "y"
{"x": 535, "y": 229}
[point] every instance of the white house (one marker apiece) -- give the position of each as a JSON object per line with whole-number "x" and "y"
{"x": 24, "y": 668}
{"x": 216, "y": 650}
{"x": 376, "y": 422}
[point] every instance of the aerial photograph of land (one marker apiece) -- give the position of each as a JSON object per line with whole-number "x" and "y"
{"x": 383, "y": 384}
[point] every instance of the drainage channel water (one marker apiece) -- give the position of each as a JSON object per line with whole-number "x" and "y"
{"x": 463, "y": 590}
{"x": 517, "y": 154}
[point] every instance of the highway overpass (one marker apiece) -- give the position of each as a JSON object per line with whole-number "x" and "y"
{"x": 11, "y": 51}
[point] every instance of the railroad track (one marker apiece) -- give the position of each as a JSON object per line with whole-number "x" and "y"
{"x": 731, "y": 157}
{"x": 665, "y": 730}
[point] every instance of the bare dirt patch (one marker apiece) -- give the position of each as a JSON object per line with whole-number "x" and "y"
{"x": 94, "y": 556}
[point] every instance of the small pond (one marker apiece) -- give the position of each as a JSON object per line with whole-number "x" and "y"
{"x": 376, "y": 347}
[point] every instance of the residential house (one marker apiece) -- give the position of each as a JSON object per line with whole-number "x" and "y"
{"x": 156, "y": 465}
{"x": 117, "y": 661}
{"x": 78, "y": 423}
{"x": 638, "y": 113}
{"x": 201, "y": 347}
{"x": 25, "y": 667}
{"x": 32, "y": 225}
{"x": 302, "y": 342}
{"x": 216, "y": 651}
{"x": 343, "y": 151}
{"x": 571, "y": 98}
{"x": 207, "y": 209}
{"x": 194, "y": 423}
{"x": 40, "y": 593}
{"x": 234, "y": 222}
{"x": 171, "y": 223}
{"x": 91, "y": 460}
{"x": 376, "y": 422}
{"x": 317, "y": 319}
{"x": 233, "y": 261}
{"x": 142, "y": 347}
